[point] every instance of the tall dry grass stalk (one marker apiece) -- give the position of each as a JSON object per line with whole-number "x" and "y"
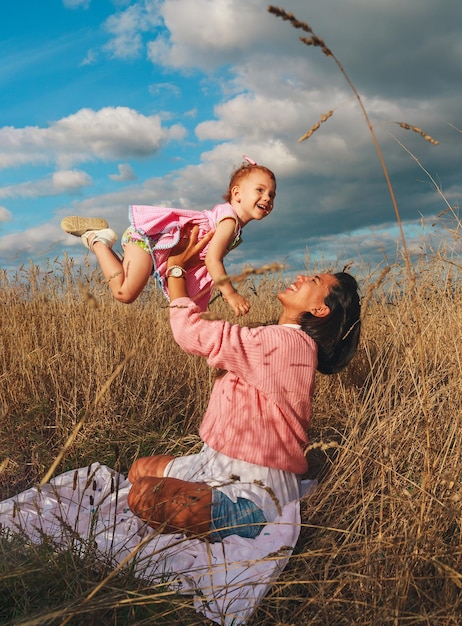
{"x": 317, "y": 42}
{"x": 366, "y": 552}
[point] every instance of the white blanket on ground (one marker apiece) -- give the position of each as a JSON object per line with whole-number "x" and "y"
{"x": 227, "y": 579}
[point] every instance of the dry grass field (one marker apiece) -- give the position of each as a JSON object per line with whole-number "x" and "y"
{"x": 84, "y": 379}
{"x": 381, "y": 535}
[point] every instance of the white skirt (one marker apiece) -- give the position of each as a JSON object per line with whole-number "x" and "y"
{"x": 269, "y": 488}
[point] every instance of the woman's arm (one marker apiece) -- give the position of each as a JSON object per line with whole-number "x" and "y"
{"x": 224, "y": 234}
{"x": 194, "y": 334}
{"x": 186, "y": 256}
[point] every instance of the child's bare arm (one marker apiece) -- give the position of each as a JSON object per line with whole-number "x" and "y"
{"x": 218, "y": 247}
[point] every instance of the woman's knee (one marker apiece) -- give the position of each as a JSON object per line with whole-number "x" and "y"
{"x": 132, "y": 498}
{"x": 149, "y": 466}
{"x": 146, "y": 501}
{"x": 134, "y": 471}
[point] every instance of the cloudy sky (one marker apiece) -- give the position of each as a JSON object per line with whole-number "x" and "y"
{"x": 107, "y": 103}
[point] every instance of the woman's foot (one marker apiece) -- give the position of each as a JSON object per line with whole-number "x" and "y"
{"x": 76, "y": 225}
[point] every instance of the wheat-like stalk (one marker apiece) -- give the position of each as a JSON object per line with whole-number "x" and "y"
{"x": 267, "y": 268}
{"x": 316, "y": 41}
{"x": 324, "y": 117}
{"x": 418, "y": 130}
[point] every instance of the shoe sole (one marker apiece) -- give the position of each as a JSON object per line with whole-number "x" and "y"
{"x": 75, "y": 225}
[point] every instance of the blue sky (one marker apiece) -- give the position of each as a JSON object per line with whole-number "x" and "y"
{"x": 107, "y": 103}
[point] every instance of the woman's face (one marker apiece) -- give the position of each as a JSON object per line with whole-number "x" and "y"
{"x": 308, "y": 293}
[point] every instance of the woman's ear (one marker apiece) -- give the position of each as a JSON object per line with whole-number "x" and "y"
{"x": 321, "y": 311}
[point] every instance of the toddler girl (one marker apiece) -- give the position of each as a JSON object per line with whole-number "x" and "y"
{"x": 154, "y": 231}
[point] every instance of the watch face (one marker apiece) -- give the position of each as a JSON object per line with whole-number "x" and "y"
{"x": 176, "y": 272}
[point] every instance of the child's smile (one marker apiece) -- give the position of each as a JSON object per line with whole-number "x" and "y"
{"x": 254, "y": 197}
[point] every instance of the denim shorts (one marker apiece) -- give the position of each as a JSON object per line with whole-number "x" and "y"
{"x": 241, "y": 518}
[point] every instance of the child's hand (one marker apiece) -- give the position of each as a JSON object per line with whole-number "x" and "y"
{"x": 239, "y": 304}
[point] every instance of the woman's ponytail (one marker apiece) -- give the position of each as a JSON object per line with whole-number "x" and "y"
{"x": 337, "y": 334}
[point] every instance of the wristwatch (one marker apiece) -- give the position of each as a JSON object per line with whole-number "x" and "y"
{"x": 176, "y": 272}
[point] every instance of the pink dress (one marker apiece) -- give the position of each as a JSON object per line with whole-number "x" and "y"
{"x": 161, "y": 228}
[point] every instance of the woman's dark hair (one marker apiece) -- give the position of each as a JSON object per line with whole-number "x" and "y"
{"x": 337, "y": 334}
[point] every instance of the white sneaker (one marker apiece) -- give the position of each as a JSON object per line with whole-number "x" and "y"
{"x": 105, "y": 236}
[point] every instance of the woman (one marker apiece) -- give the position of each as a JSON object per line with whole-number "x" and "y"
{"x": 254, "y": 428}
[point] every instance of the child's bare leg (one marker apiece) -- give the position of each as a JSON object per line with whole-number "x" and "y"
{"x": 126, "y": 279}
{"x": 149, "y": 466}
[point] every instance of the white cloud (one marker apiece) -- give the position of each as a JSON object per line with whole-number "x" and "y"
{"x": 126, "y": 28}
{"x": 39, "y": 241}
{"x": 209, "y": 33}
{"x": 5, "y": 215}
{"x": 67, "y": 181}
{"x": 107, "y": 134}
{"x": 236, "y": 118}
{"x": 76, "y": 4}
{"x": 203, "y": 33}
{"x": 125, "y": 173}
{"x": 158, "y": 89}
{"x": 70, "y": 181}
{"x": 90, "y": 58}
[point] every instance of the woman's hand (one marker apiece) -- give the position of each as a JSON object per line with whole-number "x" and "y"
{"x": 185, "y": 255}
{"x": 186, "y": 252}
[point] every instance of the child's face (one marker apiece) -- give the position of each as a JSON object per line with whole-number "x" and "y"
{"x": 253, "y": 198}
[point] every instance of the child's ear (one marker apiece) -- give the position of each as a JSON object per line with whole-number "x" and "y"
{"x": 236, "y": 193}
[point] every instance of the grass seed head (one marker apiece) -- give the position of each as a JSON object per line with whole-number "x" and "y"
{"x": 419, "y": 131}
{"x": 324, "y": 117}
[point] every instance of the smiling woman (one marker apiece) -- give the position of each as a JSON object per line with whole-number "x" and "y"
{"x": 254, "y": 428}
{"x": 310, "y": 292}
{"x": 331, "y": 316}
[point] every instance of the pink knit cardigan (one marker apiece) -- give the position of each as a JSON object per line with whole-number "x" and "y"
{"x": 259, "y": 410}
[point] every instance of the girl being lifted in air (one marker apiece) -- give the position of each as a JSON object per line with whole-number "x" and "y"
{"x": 154, "y": 231}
